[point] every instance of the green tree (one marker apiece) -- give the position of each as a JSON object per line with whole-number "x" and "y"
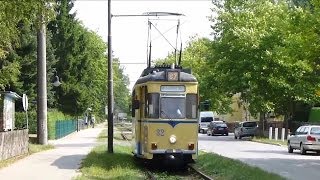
{"x": 18, "y": 27}
{"x": 11, "y": 13}
{"x": 121, "y": 91}
{"x": 81, "y": 63}
{"x": 255, "y": 51}
{"x": 77, "y": 54}
{"x": 197, "y": 57}
{"x": 82, "y": 67}
{"x": 25, "y": 56}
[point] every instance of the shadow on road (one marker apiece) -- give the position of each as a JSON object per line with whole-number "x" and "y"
{"x": 68, "y": 162}
{"x": 282, "y": 152}
{"x": 80, "y": 145}
{"x": 205, "y": 137}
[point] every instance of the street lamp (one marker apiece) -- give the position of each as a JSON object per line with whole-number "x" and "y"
{"x": 56, "y": 82}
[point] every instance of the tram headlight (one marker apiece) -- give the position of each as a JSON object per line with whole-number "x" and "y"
{"x": 173, "y": 139}
{"x": 154, "y": 146}
{"x": 191, "y": 146}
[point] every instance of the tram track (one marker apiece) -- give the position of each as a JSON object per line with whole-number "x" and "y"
{"x": 150, "y": 175}
{"x": 189, "y": 173}
{"x": 154, "y": 173}
{"x": 198, "y": 172}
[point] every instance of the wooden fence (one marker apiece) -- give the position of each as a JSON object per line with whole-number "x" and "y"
{"x": 13, "y": 143}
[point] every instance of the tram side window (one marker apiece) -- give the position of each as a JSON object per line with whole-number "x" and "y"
{"x": 191, "y": 106}
{"x": 132, "y": 102}
{"x": 153, "y": 105}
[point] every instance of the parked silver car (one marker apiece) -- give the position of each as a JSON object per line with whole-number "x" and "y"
{"x": 245, "y": 129}
{"x": 306, "y": 138}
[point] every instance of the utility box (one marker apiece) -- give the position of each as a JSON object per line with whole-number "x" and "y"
{"x": 7, "y": 110}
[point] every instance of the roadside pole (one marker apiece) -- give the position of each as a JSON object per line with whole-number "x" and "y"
{"x": 276, "y": 133}
{"x": 110, "y": 84}
{"x": 270, "y": 133}
{"x": 42, "y": 129}
{"x": 25, "y": 107}
{"x": 283, "y": 130}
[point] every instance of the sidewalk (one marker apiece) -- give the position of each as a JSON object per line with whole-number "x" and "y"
{"x": 60, "y": 163}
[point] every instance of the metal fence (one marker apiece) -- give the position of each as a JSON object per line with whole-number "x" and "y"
{"x": 65, "y": 127}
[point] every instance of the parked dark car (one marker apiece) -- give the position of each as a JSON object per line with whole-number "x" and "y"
{"x": 217, "y": 127}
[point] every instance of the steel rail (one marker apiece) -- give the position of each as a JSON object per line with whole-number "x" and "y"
{"x": 150, "y": 175}
{"x": 204, "y": 176}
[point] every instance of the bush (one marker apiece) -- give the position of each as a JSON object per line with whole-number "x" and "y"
{"x": 53, "y": 116}
{"x": 314, "y": 115}
{"x": 100, "y": 119}
{"x": 21, "y": 121}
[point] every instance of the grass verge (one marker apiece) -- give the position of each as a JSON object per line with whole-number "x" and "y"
{"x": 33, "y": 148}
{"x": 222, "y": 168}
{"x": 99, "y": 164}
{"x": 102, "y": 165}
{"x": 121, "y": 165}
{"x": 268, "y": 141}
{"x": 103, "y": 136}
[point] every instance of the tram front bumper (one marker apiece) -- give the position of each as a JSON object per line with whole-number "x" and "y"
{"x": 172, "y": 151}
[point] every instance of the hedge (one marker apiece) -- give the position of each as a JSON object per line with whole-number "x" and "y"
{"x": 53, "y": 116}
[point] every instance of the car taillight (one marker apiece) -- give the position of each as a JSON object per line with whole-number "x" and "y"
{"x": 310, "y": 138}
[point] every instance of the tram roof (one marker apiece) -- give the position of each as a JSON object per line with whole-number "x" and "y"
{"x": 158, "y": 73}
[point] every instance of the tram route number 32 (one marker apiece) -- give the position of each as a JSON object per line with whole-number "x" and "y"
{"x": 160, "y": 132}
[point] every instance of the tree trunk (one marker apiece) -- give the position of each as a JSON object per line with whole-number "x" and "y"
{"x": 261, "y": 124}
{"x": 289, "y": 115}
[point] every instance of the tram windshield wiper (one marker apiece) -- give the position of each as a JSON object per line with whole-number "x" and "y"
{"x": 166, "y": 115}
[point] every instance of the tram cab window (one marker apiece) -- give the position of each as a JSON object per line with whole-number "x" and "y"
{"x": 173, "y": 107}
{"x": 152, "y": 108}
{"x": 191, "y": 106}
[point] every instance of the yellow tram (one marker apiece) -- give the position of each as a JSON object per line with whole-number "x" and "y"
{"x": 165, "y": 109}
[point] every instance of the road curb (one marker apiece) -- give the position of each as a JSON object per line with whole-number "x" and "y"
{"x": 276, "y": 144}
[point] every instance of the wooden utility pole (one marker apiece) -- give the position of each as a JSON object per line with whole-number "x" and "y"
{"x": 42, "y": 130}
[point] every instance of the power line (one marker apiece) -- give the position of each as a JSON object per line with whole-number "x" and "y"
{"x": 154, "y": 14}
{"x": 134, "y": 63}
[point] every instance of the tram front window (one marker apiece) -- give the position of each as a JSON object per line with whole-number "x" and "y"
{"x": 173, "y": 108}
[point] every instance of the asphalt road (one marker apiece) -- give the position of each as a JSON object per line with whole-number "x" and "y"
{"x": 271, "y": 158}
